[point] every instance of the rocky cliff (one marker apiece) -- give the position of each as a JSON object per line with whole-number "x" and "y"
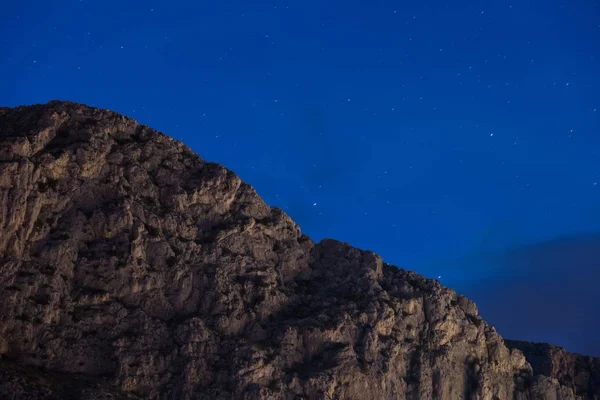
{"x": 131, "y": 268}
{"x": 580, "y": 373}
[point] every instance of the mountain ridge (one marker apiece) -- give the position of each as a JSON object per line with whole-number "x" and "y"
{"x": 127, "y": 258}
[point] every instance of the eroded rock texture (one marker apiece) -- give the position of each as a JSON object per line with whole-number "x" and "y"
{"x": 127, "y": 259}
{"x": 580, "y": 373}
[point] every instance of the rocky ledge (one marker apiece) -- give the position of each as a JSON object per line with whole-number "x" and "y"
{"x": 580, "y": 373}
{"x": 131, "y": 268}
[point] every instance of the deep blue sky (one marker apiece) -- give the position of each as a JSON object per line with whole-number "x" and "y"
{"x": 445, "y": 136}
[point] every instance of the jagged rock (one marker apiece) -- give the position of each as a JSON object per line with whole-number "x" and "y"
{"x": 125, "y": 257}
{"x": 580, "y": 373}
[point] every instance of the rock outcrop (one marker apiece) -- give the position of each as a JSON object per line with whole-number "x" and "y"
{"x": 580, "y": 373}
{"x": 134, "y": 269}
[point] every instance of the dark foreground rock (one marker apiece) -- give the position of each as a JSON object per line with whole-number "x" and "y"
{"x": 130, "y": 267}
{"x": 580, "y": 373}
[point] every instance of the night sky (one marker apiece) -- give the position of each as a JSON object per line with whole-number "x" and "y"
{"x": 457, "y": 139}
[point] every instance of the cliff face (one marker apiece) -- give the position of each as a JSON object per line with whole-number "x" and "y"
{"x": 580, "y": 373}
{"x": 129, "y": 266}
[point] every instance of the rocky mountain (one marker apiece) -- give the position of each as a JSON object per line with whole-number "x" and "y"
{"x": 580, "y": 373}
{"x": 131, "y": 268}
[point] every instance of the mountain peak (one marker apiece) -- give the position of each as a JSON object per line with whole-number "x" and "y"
{"x": 135, "y": 268}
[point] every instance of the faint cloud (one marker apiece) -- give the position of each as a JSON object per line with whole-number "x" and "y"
{"x": 332, "y": 157}
{"x": 547, "y": 291}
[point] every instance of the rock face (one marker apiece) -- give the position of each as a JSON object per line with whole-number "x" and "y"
{"x": 580, "y": 373}
{"x": 132, "y": 267}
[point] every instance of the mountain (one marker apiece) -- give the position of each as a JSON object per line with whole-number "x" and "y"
{"x": 131, "y": 268}
{"x": 580, "y": 373}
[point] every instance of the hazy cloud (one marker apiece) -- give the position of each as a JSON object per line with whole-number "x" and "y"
{"x": 547, "y": 291}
